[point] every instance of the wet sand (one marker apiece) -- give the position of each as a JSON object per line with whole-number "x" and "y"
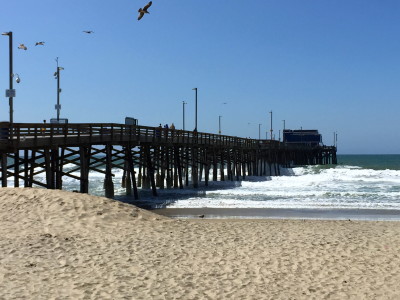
{"x": 282, "y": 213}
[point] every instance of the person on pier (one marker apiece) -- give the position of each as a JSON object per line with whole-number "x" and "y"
{"x": 158, "y": 131}
{"x": 166, "y": 130}
{"x": 43, "y": 129}
{"x": 172, "y": 130}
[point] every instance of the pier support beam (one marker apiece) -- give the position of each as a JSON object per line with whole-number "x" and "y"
{"x": 108, "y": 183}
{"x": 59, "y": 168}
{"x": 195, "y": 175}
{"x": 84, "y": 155}
{"x": 26, "y": 168}
{"x": 49, "y": 169}
{"x": 150, "y": 171}
{"x": 131, "y": 171}
{"x": 16, "y": 169}
{"x": 222, "y": 167}
{"x": 4, "y": 169}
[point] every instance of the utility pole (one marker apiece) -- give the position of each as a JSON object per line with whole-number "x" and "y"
{"x": 183, "y": 104}
{"x": 271, "y": 124}
{"x": 11, "y": 98}
{"x": 57, "y": 75}
{"x": 335, "y": 139}
{"x": 219, "y": 124}
{"x": 259, "y": 131}
{"x": 11, "y": 92}
{"x": 195, "y": 126}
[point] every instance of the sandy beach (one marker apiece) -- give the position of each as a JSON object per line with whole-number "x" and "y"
{"x": 62, "y": 245}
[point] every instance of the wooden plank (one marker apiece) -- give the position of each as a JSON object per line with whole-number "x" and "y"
{"x": 70, "y": 175}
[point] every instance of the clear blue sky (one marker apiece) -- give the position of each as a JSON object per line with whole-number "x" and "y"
{"x": 318, "y": 64}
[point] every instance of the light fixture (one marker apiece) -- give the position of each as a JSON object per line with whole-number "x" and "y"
{"x": 17, "y": 79}
{"x": 56, "y": 73}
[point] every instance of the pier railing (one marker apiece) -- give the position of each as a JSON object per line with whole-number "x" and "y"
{"x": 26, "y": 134}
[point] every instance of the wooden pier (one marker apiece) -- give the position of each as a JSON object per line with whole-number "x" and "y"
{"x": 162, "y": 158}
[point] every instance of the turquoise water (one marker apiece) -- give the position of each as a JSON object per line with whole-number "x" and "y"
{"x": 375, "y": 162}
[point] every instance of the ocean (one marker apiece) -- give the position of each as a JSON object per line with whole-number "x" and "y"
{"x": 359, "y": 183}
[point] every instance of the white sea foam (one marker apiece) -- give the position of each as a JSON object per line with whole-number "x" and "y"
{"x": 310, "y": 187}
{"x": 303, "y": 187}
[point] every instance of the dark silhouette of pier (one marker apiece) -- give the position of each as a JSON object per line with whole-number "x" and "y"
{"x": 162, "y": 158}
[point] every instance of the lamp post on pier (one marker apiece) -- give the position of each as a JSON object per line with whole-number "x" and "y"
{"x": 335, "y": 138}
{"x": 183, "y": 110}
{"x": 219, "y": 124}
{"x": 259, "y": 131}
{"x": 195, "y": 126}
{"x": 271, "y": 123}
{"x": 57, "y": 76}
{"x": 219, "y": 119}
{"x": 283, "y": 132}
{"x": 10, "y": 93}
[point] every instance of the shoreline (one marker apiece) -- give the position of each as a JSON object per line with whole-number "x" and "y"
{"x": 280, "y": 213}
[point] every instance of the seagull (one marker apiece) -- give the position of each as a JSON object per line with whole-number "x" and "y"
{"x": 39, "y": 44}
{"x": 22, "y": 46}
{"x": 88, "y": 31}
{"x": 143, "y": 10}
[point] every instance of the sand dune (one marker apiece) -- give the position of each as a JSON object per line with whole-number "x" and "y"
{"x": 61, "y": 245}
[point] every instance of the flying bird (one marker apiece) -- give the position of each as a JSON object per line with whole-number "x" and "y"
{"x": 39, "y": 44}
{"x": 143, "y": 10}
{"x": 22, "y": 47}
{"x": 88, "y": 31}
